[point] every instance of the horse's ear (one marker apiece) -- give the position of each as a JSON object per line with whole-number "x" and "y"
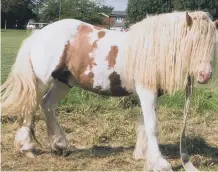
{"x": 188, "y": 19}
{"x": 216, "y": 23}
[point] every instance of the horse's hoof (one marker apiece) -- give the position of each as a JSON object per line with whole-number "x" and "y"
{"x": 160, "y": 164}
{"x": 22, "y": 143}
{"x": 27, "y": 149}
{"x": 58, "y": 144}
{"x": 29, "y": 154}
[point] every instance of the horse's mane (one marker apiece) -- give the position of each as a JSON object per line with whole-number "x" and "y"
{"x": 217, "y": 36}
{"x": 162, "y": 50}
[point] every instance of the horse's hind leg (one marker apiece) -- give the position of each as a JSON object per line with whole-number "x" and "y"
{"x": 23, "y": 141}
{"x": 23, "y": 137}
{"x": 56, "y": 136}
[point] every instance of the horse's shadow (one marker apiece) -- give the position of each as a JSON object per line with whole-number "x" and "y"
{"x": 196, "y": 146}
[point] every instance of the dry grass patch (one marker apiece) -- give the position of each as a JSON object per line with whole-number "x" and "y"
{"x": 103, "y": 138}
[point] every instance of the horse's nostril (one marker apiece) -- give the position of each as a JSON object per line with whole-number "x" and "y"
{"x": 201, "y": 74}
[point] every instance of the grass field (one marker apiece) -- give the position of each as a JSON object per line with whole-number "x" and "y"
{"x": 86, "y": 118}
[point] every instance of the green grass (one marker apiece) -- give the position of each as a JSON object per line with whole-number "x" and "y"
{"x": 10, "y": 43}
{"x": 87, "y": 117}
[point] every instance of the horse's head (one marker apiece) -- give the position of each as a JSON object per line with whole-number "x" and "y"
{"x": 205, "y": 67}
{"x": 202, "y": 48}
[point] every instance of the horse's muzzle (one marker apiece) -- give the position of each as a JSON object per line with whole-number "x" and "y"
{"x": 204, "y": 77}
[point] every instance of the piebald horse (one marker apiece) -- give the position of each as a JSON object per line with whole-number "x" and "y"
{"x": 155, "y": 55}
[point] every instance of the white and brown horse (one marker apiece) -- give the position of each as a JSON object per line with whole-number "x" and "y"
{"x": 158, "y": 53}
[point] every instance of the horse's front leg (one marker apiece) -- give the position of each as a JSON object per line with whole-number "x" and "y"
{"x": 140, "y": 147}
{"x": 56, "y": 136}
{"x": 154, "y": 159}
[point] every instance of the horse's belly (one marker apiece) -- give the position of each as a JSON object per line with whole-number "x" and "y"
{"x": 104, "y": 84}
{"x": 109, "y": 85}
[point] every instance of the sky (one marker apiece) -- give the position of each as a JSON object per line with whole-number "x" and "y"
{"x": 119, "y": 5}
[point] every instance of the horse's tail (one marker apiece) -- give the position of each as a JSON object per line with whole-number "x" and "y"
{"x": 18, "y": 93}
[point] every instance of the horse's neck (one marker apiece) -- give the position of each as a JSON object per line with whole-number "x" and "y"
{"x": 118, "y": 39}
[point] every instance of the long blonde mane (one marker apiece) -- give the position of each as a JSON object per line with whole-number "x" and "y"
{"x": 161, "y": 51}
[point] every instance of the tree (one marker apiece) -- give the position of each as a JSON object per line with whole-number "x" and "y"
{"x": 210, "y": 6}
{"x": 106, "y": 9}
{"x": 16, "y": 12}
{"x": 49, "y": 10}
{"x": 138, "y": 9}
{"x": 85, "y": 10}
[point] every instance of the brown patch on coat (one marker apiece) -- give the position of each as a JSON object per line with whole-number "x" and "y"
{"x": 116, "y": 86}
{"x": 78, "y": 58}
{"x": 84, "y": 29}
{"x": 87, "y": 80}
{"x": 97, "y": 28}
{"x": 111, "y": 58}
{"x": 94, "y": 45}
{"x": 101, "y": 34}
{"x": 63, "y": 56}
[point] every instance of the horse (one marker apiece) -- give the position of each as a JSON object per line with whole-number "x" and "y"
{"x": 156, "y": 55}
